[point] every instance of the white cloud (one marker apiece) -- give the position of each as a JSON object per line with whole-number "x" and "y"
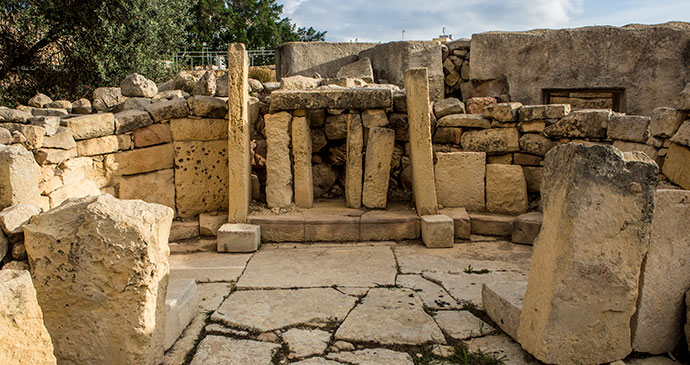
{"x": 290, "y": 6}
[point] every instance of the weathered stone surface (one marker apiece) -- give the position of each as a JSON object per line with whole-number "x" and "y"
{"x": 536, "y": 144}
{"x": 138, "y": 86}
{"x": 205, "y": 129}
{"x": 278, "y": 166}
{"x": 341, "y": 98}
{"x": 50, "y": 124}
{"x": 676, "y": 166}
{"x": 657, "y": 325}
{"x": 208, "y": 266}
{"x": 239, "y": 127}
{"x": 320, "y": 267}
{"x": 447, "y": 107}
{"x": 18, "y": 177}
{"x": 461, "y": 325}
{"x": 377, "y": 167}
{"x": 682, "y": 136}
{"x": 185, "y": 80}
{"x": 122, "y": 249}
{"x": 625, "y": 146}
{"x": 374, "y": 118}
{"x": 136, "y": 104}
{"x": 437, "y": 231}
{"x": 144, "y": 159}
{"x": 388, "y": 316}
{"x": 590, "y": 123}
{"x": 665, "y": 121}
{"x": 464, "y": 120}
{"x": 106, "y": 98}
{"x": 130, "y": 120}
{"x": 354, "y": 168}
{"x": 208, "y": 106}
{"x": 500, "y": 347}
{"x": 97, "y": 146}
{"x": 205, "y": 85}
{"x": 460, "y": 179}
{"x": 25, "y": 339}
{"x": 526, "y": 227}
{"x": 360, "y": 69}
{"x": 502, "y": 112}
{"x": 465, "y": 286}
{"x": 539, "y": 112}
{"x": 155, "y": 187}
{"x": 305, "y": 343}
{"x": 578, "y": 221}
{"x": 491, "y": 141}
{"x": 308, "y": 58}
{"x": 30, "y": 136}
{"x": 629, "y": 128}
{"x": 280, "y": 228}
{"x": 391, "y": 224}
{"x": 39, "y": 101}
{"x": 5, "y": 136}
{"x": 210, "y": 222}
{"x": 475, "y": 105}
{"x": 181, "y": 306}
{"x": 152, "y": 135}
{"x": 503, "y": 304}
{"x": 61, "y": 139}
{"x": 46, "y": 156}
{"x": 461, "y": 221}
{"x": 432, "y": 295}
{"x": 168, "y": 109}
{"x": 331, "y": 226}
{"x": 91, "y": 126}
{"x": 238, "y": 237}
{"x": 336, "y": 126}
{"x": 13, "y": 218}
{"x": 299, "y": 82}
{"x": 169, "y": 95}
{"x": 421, "y": 152}
{"x": 81, "y": 106}
{"x": 268, "y": 310}
{"x": 371, "y": 356}
{"x": 200, "y": 163}
{"x": 447, "y": 135}
{"x": 226, "y": 350}
{"x": 14, "y": 116}
{"x": 506, "y": 189}
{"x": 301, "y": 154}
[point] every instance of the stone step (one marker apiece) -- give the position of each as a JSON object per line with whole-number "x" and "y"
{"x": 503, "y": 304}
{"x": 181, "y": 305}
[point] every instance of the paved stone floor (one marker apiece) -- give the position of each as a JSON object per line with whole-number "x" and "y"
{"x": 359, "y": 303}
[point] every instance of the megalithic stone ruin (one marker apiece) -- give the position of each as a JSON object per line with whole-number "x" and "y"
{"x": 239, "y": 154}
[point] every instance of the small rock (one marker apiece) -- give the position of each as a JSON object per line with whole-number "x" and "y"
{"x": 81, "y": 106}
{"x": 138, "y": 85}
{"x": 268, "y": 337}
{"x": 206, "y": 85}
{"x": 39, "y": 101}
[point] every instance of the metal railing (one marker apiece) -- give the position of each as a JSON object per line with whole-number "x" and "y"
{"x": 219, "y": 59}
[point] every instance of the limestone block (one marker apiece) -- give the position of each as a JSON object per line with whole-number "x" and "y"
{"x": 588, "y": 123}
{"x": 491, "y": 141}
{"x": 533, "y": 175}
{"x": 360, "y": 69}
{"x": 377, "y": 167}
{"x": 144, "y": 159}
{"x": 138, "y": 85}
{"x": 338, "y": 98}
{"x": 125, "y": 141}
{"x": 184, "y": 229}
{"x": 61, "y": 139}
{"x": 50, "y": 124}
{"x": 154, "y": 187}
{"x": 464, "y": 120}
{"x": 580, "y": 297}
{"x": 316, "y": 117}
{"x": 354, "y": 165}
{"x": 201, "y": 177}
{"x": 447, "y": 135}
{"x": 18, "y": 177}
{"x": 239, "y": 237}
{"x": 665, "y": 121}
{"x": 168, "y": 109}
{"x": 461, "y": 221}
{"x": 278, "y": 166}
{"x": 49, "y": 112}
{"x": 299, "y": 82}
{"x": 280, "y": 228}
{"x": 152, "y": 135}
{"x": 658, "y": 324}
{"x": 682, "y": 136}
{"x": 506, "y": 159}
{"x": 206, "y": 85}
{"x": 336, "y": 126}
{"x": 437, "y": 231}
{"x": 169, "y": 95}
{"x": 97, "y": 146}
{"x": 536, "y": 144}
{"x": 502, "y": 112}
{"x": 447, "y": 107}
{"x": 13, "y": 218}
{"x": 319, "y": 227}
{"x": 490, "y": 224}
{"x": 460, "y": 179}
{"x": 526, "y": 227}
{"x": 24, "y": 339}
{"x": 81, "y": 106}
{"x": 106, "y": 98}
{"x": 386, "y": 225}
{"x": 208, "y": 106}
{"x": 421, "y": 152}
{"x": 549, "y": 111}
{"x": 108, "y": 306}
{"x": 506, "y": 189}
{"x": 676, "y": 167}
{"x": 301, "y": 152}
{"x": 536, "y": 126}
{"x": 527, "y": 159}
{"x": 14, "y": 116}
{"x": 632, "y": 128}
{"x": 683, "y": 102}
{"x": 33, "y": 136}
{"x": 45, "y": 156}
{"x": 503, "y": 302}
{"x": 374, "y": 118}
{"x": 91, "y": 126}
{"x": 205, "y": 129}
{"x": 181, "y": 306}
{"x": 222, "y": 85}
{"x": 130, "y": 120}
{"x": 73, "y": 190}
{"x": 210, "y": 222}
{"x": 625, "y": 146}
{"x": 136, "y": 104}
{"x": 5, "y": 136}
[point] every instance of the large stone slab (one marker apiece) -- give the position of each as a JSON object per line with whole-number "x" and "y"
{"x": 239, "y": 154}
{"x": 390, "y": 316}
{"x": 144, "y": 159}
{"x": 208, "y": 266}
{"x": 432, "y": 295}
{"x": 278, "y": 166}
{"x": 225, "y": 350}
{"x": 581, "y": 124}
{"x": 421, "y": 153}
{"x": 304, "y": 342}
{"x": 198, "y": 129}
{"x": 377, "y": 167}
{"x": 109, "y": 305}
{"x": 492, "y": 141}
{"x": 494, "y": 255}
{"x": 501, "y": 347}
{"x": 460, "y": 179}
{"x": 201, "y": 177}
{"x": 506, "y": 189}
{"x": 632, "y": 128}
{"x": 18, "y": 177}
{"x": 676, "y": 166}
{"x": 466, "y": 286}
{"x": 321, "y": 266}
{"x": 24, "y": 338}
{"x": 503, "y": 304}
{"x": 324, "y": 58}
{"x": 592, "y": 198}
{"x": 268, "y": 310}
{"x": 461, "y": 325}
{"x": 301, "y": 156}
{"x": 389, "y": 224}
{"x": 91, "y": 126}
{"x": 336, "y": 98}
{"x": 370, "y": 356}
{"x": 658, "y": 324}
{"x": 354, "y": 166}
{"x": 155, "y": 187}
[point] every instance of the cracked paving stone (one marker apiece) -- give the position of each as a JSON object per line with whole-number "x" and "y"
{"x": 461, "y": 325}
{"x": 468, "y": 287}
{"x": 431, "y": 293}
{"x": 207, "y": 267}
{"x": 500, "y": 347}
{"x": 225, "y": 350}
{"x": 494, "y": 256}
{"x": 372, "y": 357}
{"x": 303, "y": 342}
{"x": 212, "y": 294}
{"x": 390, "y": 316}
{"x": 317, "y": 361}
{"x": 268, "y": 310}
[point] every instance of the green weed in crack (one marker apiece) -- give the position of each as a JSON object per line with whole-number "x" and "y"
{"x": 470, "y": 270}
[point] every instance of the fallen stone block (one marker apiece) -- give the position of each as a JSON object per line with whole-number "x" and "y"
{"x": 18, "y": 177}
{"x": 358, "y": 98}
{"x": 503, "y": 302}
{"x": 526, "y": 227}
{"x": 676, "y": 167}
{"x": 122, "y": 271}
{"x": 588, "y": 123}
{"x": 181, "y": 305}
{"x": 91, "y": 126}
{"x": 437, "y": 231}
{"x": 360, "y": 69}
{"x": 459, "y": 179}
{"x": 238, "y": 237}
{"x": 506, "y": 189}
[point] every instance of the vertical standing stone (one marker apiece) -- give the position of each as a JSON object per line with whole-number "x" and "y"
{"x": 18, "y": 178}
{"x": 421, "y": 154}
{"x": 278, "y": 166}
{"x": 585, "y": 268}
{"x": 658, "y": 323}
{"x": 353, "y": 169}
{"x": 460, "y": 179}
{"x": 377, "y": 167}
{"x": 239, "y": 159}
{"x": 301, "y": 152}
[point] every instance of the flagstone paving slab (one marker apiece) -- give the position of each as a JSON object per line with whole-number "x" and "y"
{"x": 225, "y": 350}
{"x": 390, "y": 316}
{"x": 501, "y": 347}
{"x": 305, "y": 342}
{"x": 466, "y": 287}
{"x": 461, "y": 325}
{"x": 267, "y": 310}
{"x": 212, "y": 294}
{"x": 431, "y": 294}
{"x": 208, "y": 266}
{"x": 352, "y": 266}
{"x": 317, "y": 361}
{"x": 372, "y": 357}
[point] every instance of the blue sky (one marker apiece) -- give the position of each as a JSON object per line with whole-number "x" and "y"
{"x": 364, "y": 20}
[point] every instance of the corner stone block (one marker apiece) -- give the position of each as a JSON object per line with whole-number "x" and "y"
{"x": 421, "y": 152}
{"x": 437, "y": 231}
{"x": 460, "y": 179}
{"x": 239, "y": 237}
{"x": 301, "y": 152}
{"x": 585, "y": 268}
{"x": 354, "y": 169}
{"x": 377, "y": 167}
{"x": 278, "y": 165}
{"x": 506, "y": 189}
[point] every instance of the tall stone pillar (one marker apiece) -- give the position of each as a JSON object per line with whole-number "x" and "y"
{"x": 239, "y": 153}
{"x": 353, "y": 170}
{"x": 377, "y": 167}
{"x": 301, "y": 153}
{"x": 278, "y": 164}
{"x": 585, "y": 269}
{"x": 421, "y": 153}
